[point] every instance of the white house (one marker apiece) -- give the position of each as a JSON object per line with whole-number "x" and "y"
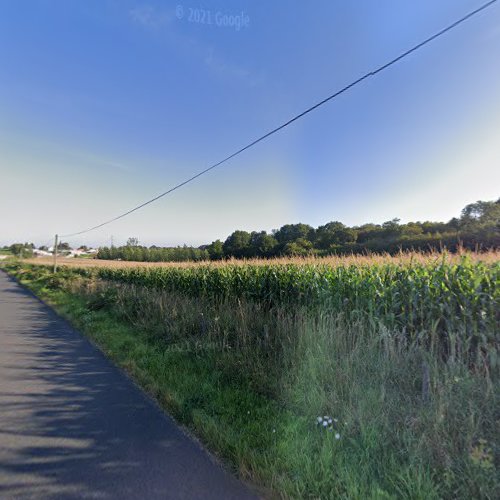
{"x": 41, "y": 253}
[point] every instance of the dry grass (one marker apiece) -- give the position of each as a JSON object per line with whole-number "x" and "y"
{"x": 334, "y": 261}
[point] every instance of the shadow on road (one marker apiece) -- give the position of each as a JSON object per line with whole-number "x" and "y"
{"x": 72, "y": 425}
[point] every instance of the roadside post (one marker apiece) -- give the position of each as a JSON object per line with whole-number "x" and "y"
{"x": 55, "y": 252}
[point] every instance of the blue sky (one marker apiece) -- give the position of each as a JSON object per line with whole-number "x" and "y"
{"x": 104, "y": 104}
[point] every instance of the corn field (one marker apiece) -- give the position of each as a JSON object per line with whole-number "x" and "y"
{"x": 453, "y": 305}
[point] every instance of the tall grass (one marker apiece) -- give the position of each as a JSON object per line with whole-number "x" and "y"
{"x": 394, "y": 440}
{"x": 450, "y": 307}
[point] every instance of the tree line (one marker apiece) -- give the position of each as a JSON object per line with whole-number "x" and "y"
{"x": 478, "y": 227}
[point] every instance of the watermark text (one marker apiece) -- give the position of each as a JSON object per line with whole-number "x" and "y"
{"x": 220, "y": 19}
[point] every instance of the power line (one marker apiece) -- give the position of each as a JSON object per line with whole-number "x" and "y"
{"x": 295, "y": 118}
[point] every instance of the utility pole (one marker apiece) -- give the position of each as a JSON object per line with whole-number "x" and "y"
{"x": 55, "y": 252}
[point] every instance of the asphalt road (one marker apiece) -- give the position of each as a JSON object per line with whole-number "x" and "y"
{"x": 74, "y": 426}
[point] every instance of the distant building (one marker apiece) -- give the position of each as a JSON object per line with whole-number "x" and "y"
{"x": 41, "y": 253}
{"x": 65, "y": 253}
{"x": 81, "y": 253}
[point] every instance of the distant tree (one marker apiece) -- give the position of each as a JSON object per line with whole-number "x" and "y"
{"x": 481, "y": 215}
{"x": 433, "y": 227}
{"x": 63, "y": 246}
{"x": 43, "y": 248}
{"x": 237, "y": 244}
{"x": 453, "y": 224}
{"x": 215, "y": 250}
{"x": 84, "y": 248}
{"x": 299, "y": 247}
{"x": 411, "y": 229}
{"x": 262, "y": 244}
{"x": 292, "y": 232}
{"x": 16, "y": 249}
{"x": 104, "y": 253}
{"x": 391, "y": 229}
{"x": 334, "y": 233}
{"x": 23, "y": 250}
{"x": 133, "y": 242}
{"x": 368, "y": 232}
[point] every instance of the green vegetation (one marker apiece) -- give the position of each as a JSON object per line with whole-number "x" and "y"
{"x": 477, "y": 227}
{"x": 449, "y": 304}
{"x": 152, "y": 254}
{"x": 404, "y": 357}
{"x": 23, "y": 250}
